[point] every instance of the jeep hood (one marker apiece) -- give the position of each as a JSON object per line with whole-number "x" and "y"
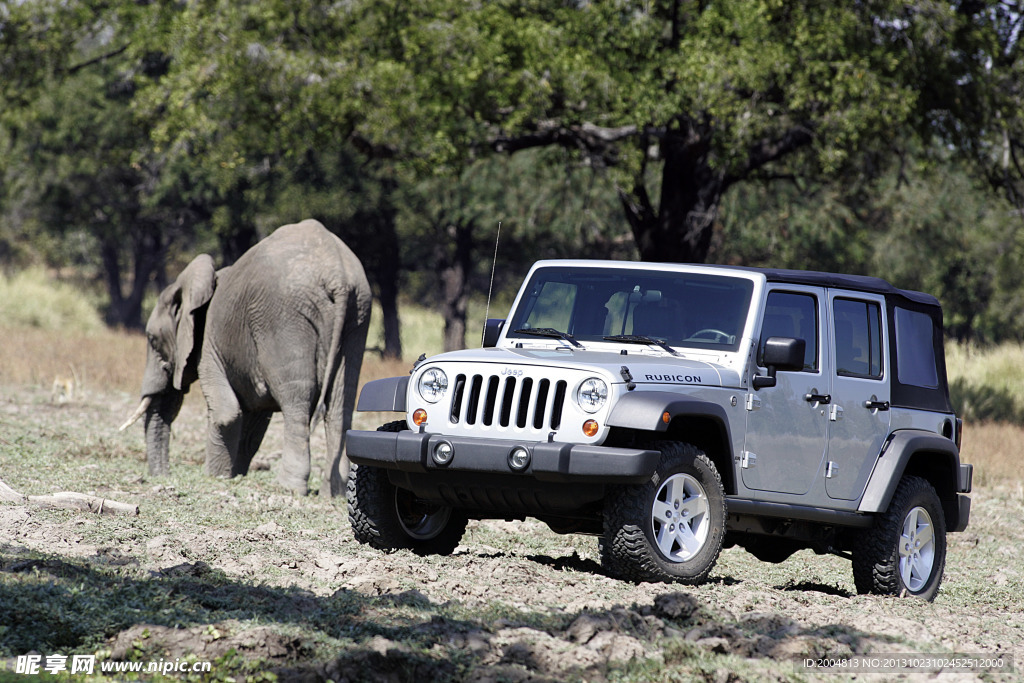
{"x": 642, "y": 367}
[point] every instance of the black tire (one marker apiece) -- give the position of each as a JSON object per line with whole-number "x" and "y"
{"x": 387, "y": 517}
{"x": 633, "y": 520}
{"x": 904, "y": 553}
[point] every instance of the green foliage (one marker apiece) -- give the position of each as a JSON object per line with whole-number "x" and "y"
{"x": 924, "y": 225}
{"x": 986, "y": 383}
{"x": 967, "y": 234}
{"x": 548, "y": 207}
{"x": 33, "y": 299}
{"x": 135, "y": 134}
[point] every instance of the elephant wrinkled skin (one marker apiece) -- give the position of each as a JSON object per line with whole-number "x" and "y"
{"x": 283, "y": 329}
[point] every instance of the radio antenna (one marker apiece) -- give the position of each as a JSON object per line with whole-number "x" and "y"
{"x": 490, "y": 287}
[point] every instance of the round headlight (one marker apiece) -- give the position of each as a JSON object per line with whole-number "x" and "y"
{"x": 432, "y": 385}
{"x": 592, "y": 394}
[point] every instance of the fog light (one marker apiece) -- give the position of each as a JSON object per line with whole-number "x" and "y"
{"x": 419, "y": 417}
{"x": 590, "y": 427}
{"x": 443, "y": 452}
{"x": 519, "y": 459}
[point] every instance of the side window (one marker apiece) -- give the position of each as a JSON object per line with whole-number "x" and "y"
{"x": 858, "y": 338}
{"x": 916, "y": 362}
{"x": 788, "y": 314}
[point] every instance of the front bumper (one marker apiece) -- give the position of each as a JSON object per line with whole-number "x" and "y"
{"x": 552, "y": 461}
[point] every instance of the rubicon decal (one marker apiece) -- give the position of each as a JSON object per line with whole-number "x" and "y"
{"x": 676, "y": 379}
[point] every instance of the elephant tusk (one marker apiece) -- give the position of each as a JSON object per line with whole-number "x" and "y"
{"x": 139, "y": 412}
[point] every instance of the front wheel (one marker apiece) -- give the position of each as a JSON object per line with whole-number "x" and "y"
{"x": 671, "y": 527}
{"x": 905, "y": 551}
{"x": 387, "y": 517}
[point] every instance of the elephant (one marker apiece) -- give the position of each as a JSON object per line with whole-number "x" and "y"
{"x": 283, "y": 329}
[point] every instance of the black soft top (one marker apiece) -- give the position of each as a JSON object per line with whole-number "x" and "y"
{"x": 909, "y": 394}
{"x": 860, "y": 283}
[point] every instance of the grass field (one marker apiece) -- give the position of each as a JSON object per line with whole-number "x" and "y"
{"x": 266, "y": 586}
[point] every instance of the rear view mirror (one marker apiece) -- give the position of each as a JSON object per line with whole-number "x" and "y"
{"x": 492, "y": 330}
{"x": 781, "y": 354}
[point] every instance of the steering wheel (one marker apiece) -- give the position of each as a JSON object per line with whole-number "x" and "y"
{"x": 712, "y": 335}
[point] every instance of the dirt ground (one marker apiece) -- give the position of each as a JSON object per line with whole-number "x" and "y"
{"x": 515, "y": 602}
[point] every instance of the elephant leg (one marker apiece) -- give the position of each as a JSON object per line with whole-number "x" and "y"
{"x": 339, "y": 413}
{"x": 293, "y": 469}
{"x": 254, "y": 427}
{"x": 224, "y": 433}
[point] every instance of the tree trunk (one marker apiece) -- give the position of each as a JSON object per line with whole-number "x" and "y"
{"x": 148, "y": 252}
{"x": 387, "y": 282}
{"x": 681, "y": 230}
{"x": 382, "y": 253}
{"x": 116, "y": 313}
{"x": 454, "y": 269}
{"x": 237, "y": 242}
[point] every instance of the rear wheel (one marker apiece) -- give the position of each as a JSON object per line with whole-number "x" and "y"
{"x": 670, "y": 528}
{"x": 905, "y": 552}
{"x": 387, "y": 517}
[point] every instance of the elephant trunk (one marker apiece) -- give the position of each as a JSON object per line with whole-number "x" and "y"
{"x": 160, "y": 413}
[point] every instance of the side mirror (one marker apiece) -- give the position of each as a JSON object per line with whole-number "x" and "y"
{"x": 492, "y": 330}
{"x": 781, "y": 353}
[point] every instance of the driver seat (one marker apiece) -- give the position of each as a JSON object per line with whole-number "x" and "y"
{"x": 660, "y": 319}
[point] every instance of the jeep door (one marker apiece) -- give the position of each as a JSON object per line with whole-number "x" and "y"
{"x": 787, "y": 425}
{"x": 859, "y": 413}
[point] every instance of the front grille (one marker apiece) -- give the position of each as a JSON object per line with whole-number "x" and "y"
{"x": 518, "y": 402}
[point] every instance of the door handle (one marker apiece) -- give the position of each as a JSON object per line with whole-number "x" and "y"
{"x": 874, "y": 404}
{"x": 818, "y": 398}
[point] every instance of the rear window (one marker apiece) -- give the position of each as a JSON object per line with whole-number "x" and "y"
{"x": 915, "y": 363}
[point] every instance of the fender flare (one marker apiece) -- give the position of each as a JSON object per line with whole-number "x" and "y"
{"x": 897, "y": 452}
{"x": 384, "y": 395}
{"x": 643, "y": 410}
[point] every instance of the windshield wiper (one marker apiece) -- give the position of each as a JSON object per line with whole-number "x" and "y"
{"x": 642, "y": 339}
{"x": 550, "y": 332}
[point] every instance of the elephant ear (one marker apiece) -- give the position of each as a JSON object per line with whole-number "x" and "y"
{"x": 197, "y": 283}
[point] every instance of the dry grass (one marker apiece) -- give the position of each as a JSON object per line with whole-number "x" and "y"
{"x": 94, "y": 361}
{"x": 994, "y": 450}
{"x": 107, "y": 360}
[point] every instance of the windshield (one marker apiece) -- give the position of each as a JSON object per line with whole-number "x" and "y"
{"x": 592, "y": 304}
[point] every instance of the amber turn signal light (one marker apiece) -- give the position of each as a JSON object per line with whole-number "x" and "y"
{"x": 590, "y": 427}
{"x": 419, "y": 416}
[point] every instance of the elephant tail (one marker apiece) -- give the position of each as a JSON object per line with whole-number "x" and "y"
{"x": 330, "y": 367}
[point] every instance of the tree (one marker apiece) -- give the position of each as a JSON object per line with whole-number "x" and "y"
{"x": 148, "y": 128}
{"x": 718, "y": 93}
{"x": 545, "y": 210}
{"x": 77, "y": 162}
{"x": 251, "y": 102}
{"x": 922, "y": 222}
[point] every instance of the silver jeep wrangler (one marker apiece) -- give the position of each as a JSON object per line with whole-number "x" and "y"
{"x": 674, "y": 410}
